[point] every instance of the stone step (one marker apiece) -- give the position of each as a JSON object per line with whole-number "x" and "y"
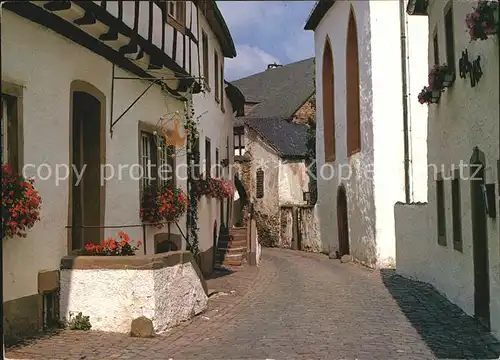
{"x": 233, "y": 250}
{"x": 231, "y": 244}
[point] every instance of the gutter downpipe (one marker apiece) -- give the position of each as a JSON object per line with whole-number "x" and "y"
{"x": 404, "y": 73}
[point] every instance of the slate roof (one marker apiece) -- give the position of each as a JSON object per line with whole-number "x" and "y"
{"x": 279, "y": 92}
{"x": 289, "y": 139}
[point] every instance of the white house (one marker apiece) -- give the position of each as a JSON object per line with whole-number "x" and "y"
{"x": 452, "y": 241}
{"x": 371, "y": 132}
{"x": 94, "y": 83}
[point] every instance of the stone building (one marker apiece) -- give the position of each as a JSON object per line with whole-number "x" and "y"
{"x": 371, "y": 133}
{"x": 452, "y": 240}
{"x": 270, "y": 148}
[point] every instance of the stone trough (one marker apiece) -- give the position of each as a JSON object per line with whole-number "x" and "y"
{"x": 167, "y": 288}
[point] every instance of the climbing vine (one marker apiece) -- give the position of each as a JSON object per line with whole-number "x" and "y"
{"x": 193, "y": 160}
{"x": 311, "y": 160}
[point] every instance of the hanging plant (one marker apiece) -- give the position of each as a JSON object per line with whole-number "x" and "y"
{"x": 226, "y": 188}
{"x": 429, "y": 96}
{"x": 193, "y": 160}
{"x": 111, "y": 247}
{"x": 21, "y": 203}
{"x": 161, "y": 204}
{"x": 440, "y": 77}
{"x": 483, "y": 21}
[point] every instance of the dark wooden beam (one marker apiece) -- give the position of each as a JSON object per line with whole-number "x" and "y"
{"x": 51, "y": 21}
{"x": 87, "y": 19}
{"x": 111, "y": 35}
{"x": 130, "y": 48}
{"x": 57, "y": 5}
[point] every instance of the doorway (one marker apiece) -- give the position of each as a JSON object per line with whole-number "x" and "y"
{"x": 480, "y": 240}
{"x": 342, "y": 221}
{"x": 86, "y": 156}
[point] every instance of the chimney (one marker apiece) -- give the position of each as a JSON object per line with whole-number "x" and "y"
{"x": 273, "y": 66}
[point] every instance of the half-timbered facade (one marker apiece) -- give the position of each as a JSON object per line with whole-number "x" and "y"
{"x": 88, "y": 88}
{"x": 452, "y": 240}
{"x": 370, "y": 142}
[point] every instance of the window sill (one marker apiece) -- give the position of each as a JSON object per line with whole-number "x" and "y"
{"x": 176, "y": 24}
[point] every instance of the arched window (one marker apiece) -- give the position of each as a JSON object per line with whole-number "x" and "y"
{"x": 328, "y": 102}
{"x": 352, "y": 81}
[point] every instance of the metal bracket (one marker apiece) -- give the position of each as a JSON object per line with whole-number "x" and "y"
{"x": 154, "y": 80}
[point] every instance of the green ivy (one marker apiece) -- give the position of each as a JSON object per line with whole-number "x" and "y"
{"x": 311, "y": 160}
{"x": 193, "y": 160}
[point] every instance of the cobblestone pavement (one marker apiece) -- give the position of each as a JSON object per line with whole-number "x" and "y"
{"x": 299, "y": 306}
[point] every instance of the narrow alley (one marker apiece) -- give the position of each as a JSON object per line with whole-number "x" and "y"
{"x": 298, "y": 306}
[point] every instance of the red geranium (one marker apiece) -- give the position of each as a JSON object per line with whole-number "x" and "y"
{"x": 112, "y": 247}
{"x": 162, "y": 204}
{"x": 21, "y": 203}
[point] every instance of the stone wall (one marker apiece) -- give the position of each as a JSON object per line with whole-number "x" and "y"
{"x": 113, "y": 290}
{"x": 300, "y": 228}
{"x": 306, "y": 112}
{"x": 266, "y": 209}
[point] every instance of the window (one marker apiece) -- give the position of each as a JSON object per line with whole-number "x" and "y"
{"x": 208, "y": 158}
{"x": 450, "y": 40}
{"x": 204, "y": 41}
{"x": 157, "y": 162}
{"x": 259, "y": 184}
{"x": 239, "y": 141}
{"x": 441, "y": 215}
{"x": 328, "y": 103}
{"x": 177, "y": 11}
{"x": 222, "y": 85}
{"x": 216, "y": 72}
{"x": 436, "y": 47}
{"x": 456, "y": 211}
{"x": 217, "y": 165}
{"x": 9, "y": 131}
{"x": 352, "y": 89}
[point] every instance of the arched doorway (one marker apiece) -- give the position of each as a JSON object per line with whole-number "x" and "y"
{"x": 479, "y": 239}
{"x": 342, "y": 221}
{"x": 328, "y": 102}
{"x": 352, "y": 88}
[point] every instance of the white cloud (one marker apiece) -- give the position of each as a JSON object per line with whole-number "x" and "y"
{"x": 244, "y": 14}
{"x": 250, "y": 60}
{"x": 300, "y": 46}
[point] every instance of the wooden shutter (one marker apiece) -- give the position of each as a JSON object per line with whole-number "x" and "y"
{"x": 259, "y": 184}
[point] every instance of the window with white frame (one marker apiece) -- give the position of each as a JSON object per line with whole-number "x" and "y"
{"x": 9, "y": 133}
{"x": 157, "y": 162}
{"x": 239, "y": 141}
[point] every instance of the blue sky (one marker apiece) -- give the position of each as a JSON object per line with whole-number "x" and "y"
{"x": 265, "y": 32}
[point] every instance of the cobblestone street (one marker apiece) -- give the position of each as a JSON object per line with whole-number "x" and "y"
{"x": 298, "y": 306}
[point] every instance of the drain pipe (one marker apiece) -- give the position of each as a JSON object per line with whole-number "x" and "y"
{"x": 404, "y": 74}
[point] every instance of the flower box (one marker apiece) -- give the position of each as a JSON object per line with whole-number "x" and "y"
{"x": 483, "y": 21}
{"x": 167, "y": 288}
{"x": 21, "y": 203}
{"x": 162, "y": 204}
{"x": 435, "y": 96}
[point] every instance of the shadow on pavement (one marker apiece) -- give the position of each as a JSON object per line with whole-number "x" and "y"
{"x": 445, "y": 328}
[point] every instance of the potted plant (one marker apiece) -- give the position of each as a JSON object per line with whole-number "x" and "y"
{"x": 165, "y": 203}
{"x": 483, "y": 21}
{"x": 428, "y": 96}
{"x": 111, "y": 247}
{"x": 21, "y": 203}
{"x": 440, "y": 77}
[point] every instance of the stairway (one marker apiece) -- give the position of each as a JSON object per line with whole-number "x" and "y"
{"x": 232, "y": 250}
